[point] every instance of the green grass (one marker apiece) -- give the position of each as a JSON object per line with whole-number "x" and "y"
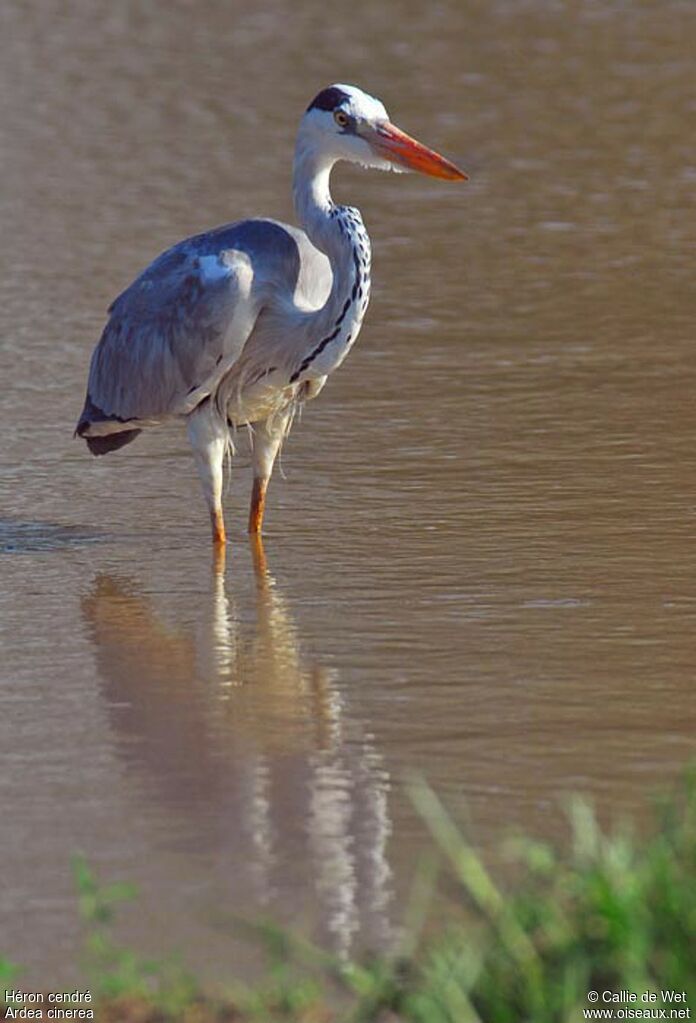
{"x": 610, "y": 912}
{"x": 606, "y": 911}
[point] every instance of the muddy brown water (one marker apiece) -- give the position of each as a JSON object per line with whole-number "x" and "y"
{"x": 481, "y": 562}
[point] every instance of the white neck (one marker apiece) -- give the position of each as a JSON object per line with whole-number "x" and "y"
{"x": 339, "y": 233}
{"x": 311, "y": 194}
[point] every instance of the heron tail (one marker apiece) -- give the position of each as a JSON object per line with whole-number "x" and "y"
{"x": 111, "y": 442}
{"x": 103, "y": 433}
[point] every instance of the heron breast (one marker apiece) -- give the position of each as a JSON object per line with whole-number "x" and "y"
{"x": 258, "y": 400}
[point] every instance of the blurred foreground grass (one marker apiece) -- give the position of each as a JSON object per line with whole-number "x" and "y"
{"x": 608, "y": 911}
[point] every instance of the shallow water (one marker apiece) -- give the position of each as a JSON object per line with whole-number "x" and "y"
{"x": 481, "y": 560}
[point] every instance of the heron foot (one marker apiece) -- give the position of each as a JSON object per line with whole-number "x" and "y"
{"x": 219, "y": 552}
{"x": 218, "y": 524}
{"x": 258, "y": 557}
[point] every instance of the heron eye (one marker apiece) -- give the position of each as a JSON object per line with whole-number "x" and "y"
{"x": 342, "y": 119}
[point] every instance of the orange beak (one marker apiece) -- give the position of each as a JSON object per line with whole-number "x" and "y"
{"x": 395, "y": 145}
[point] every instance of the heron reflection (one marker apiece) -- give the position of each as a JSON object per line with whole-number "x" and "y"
{"x": 244, "y": 750}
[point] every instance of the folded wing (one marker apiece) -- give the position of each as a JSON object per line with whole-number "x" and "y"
{"x": 171, "y": 335}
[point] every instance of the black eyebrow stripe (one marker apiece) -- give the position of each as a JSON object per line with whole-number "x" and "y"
{"x": 328, "y": 99}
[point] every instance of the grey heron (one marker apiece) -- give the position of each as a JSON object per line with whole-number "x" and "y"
{"x": 244, "y": 323}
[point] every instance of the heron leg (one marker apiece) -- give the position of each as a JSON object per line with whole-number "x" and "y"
{"x": 267, "y": 439}
{"x": 208, "y": 437}
{"x": 258, "y": 505}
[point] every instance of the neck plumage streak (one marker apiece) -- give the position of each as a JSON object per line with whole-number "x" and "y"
{"x": 347, "y": 325}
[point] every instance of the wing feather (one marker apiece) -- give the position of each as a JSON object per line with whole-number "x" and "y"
{"x": 170, "y": 331}
{"x": 181, "y": 326}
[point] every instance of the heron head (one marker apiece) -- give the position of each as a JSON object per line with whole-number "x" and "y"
{"x": 348, "y": 124}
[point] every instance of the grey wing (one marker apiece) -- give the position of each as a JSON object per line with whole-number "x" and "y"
{"x": 176, "y": 329}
